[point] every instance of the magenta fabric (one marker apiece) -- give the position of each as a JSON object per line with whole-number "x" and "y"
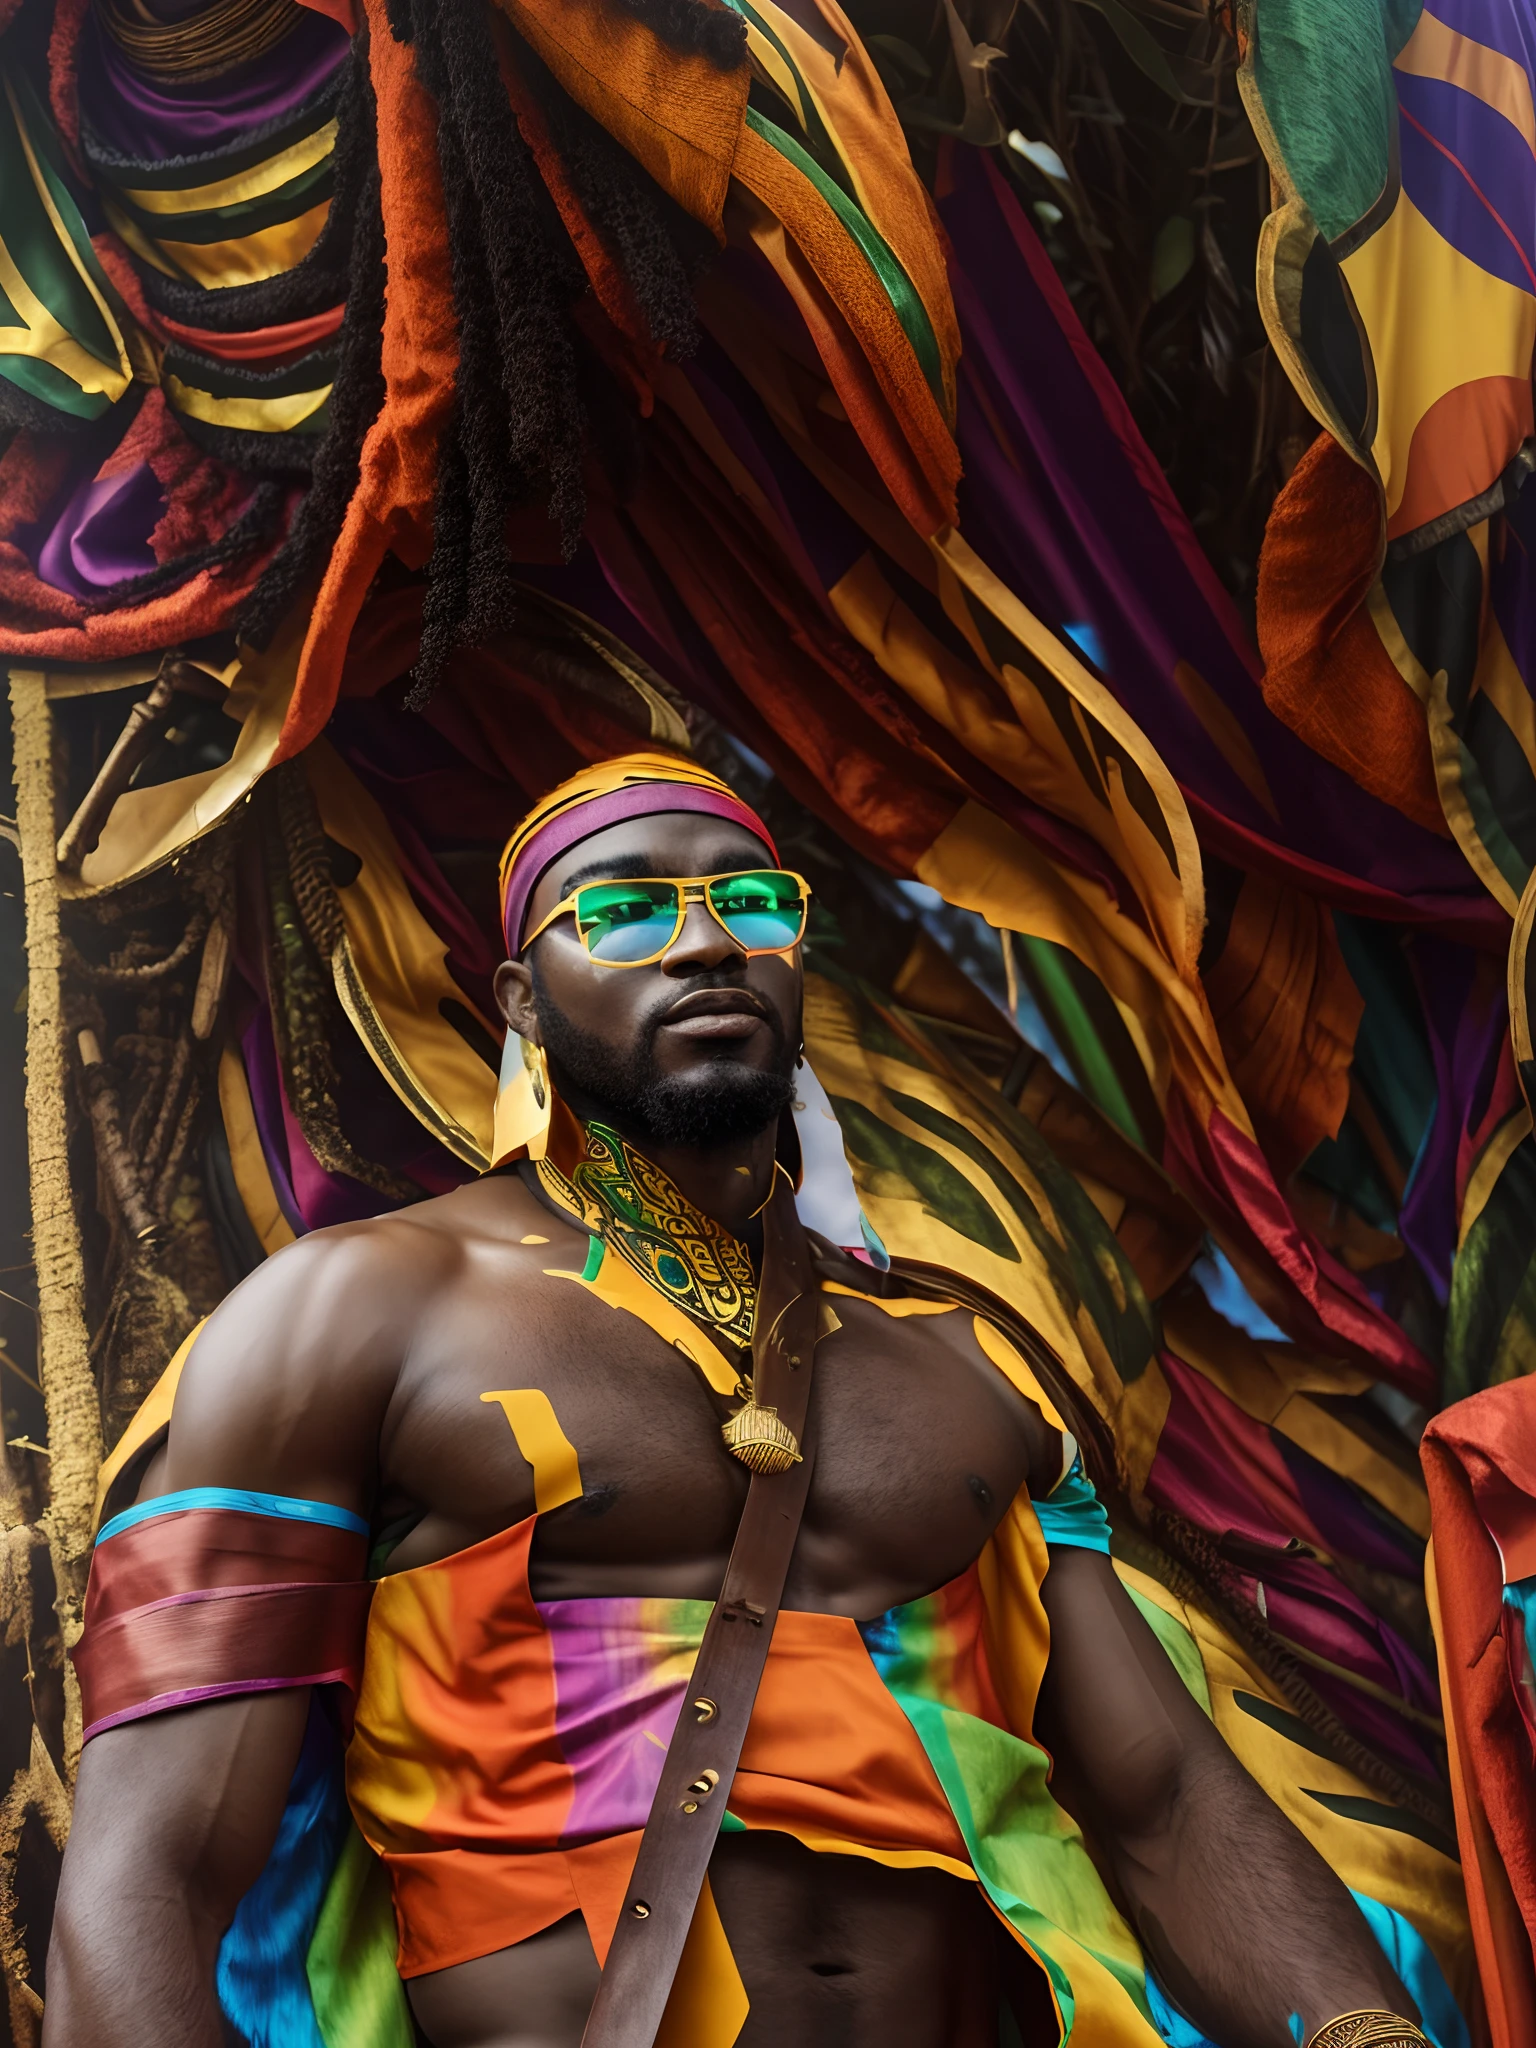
{"x": 621, "y": 1668}
{"x": 639, "y": 800}
{"x": 1290, "y": 1273}
{"x": 1231, "y": 1476}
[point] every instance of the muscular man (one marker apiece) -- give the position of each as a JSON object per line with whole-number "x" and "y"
{"x": 518, "y": 1401}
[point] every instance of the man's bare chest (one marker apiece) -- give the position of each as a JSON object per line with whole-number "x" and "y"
{"x": 920, "y": 1446}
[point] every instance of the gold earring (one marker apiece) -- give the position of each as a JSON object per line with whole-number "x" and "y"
{"x": 521, "y": 1122}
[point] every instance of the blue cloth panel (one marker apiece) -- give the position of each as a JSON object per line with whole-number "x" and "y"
{"x": 263, "y": 1984}
{"x": 1414, "y": 1961}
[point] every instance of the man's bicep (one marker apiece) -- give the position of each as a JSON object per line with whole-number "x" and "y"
{"x": 1112, "y": 1703}
{"x": 189, "y": 1800}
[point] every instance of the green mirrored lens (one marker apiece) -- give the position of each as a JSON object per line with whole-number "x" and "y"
{"x": 764, "y": 910}
{"x": 626, "y": 921}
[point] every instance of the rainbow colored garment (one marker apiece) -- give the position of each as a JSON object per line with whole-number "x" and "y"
{"x": 504, "y": 1751}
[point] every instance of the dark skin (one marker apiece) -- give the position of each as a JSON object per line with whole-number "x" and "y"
{"x": 349, "y": 1369}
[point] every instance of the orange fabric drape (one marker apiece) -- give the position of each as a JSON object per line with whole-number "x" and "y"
{"x": 392, "y": 505}
{"x": 1326, "y": 674}
{"x": 1480, "y": 1466}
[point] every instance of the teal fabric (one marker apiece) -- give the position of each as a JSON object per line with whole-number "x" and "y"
{"x": 1412, "y": 1958}
{"x": 280, "y": 1506}
{"x": 1072, "y": 1516}
{"x": 1522, "y": 1597}
{"x": 1323, "y": 69}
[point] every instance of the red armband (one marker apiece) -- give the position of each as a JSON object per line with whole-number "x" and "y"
{"x": 214, "y": 1592}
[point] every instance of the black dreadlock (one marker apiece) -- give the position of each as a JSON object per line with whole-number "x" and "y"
{"x": 526, "y": 383}
{"x": 696, "y": 27}
{"x": 358, "y": 391}
{"x": 517, "y": 419}
{"x": 659, "y": 247}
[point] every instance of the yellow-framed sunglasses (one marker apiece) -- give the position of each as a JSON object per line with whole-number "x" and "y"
{"x": 633, "y": 923}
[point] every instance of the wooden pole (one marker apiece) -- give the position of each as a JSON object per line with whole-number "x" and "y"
{"x": 64, "y": 1364}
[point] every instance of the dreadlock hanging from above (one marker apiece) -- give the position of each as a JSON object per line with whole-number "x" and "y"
{"x": 659, "y": 247}
{"x": 517, "y": 432}
{"x": 698, "y": 28}
{"x": 516, "y": 424}
{"x": 357, "y": 393}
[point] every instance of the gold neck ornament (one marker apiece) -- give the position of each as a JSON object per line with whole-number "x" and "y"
{"x": 690, "y": 1260}
{"x": 651, "y": 1224}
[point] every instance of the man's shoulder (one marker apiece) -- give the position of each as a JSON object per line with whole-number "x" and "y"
{"x": 410, "y": 1252}
{"x": 328, "y": 1323}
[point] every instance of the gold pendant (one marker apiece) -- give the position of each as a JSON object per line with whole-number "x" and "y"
{"x": 760, "y": 1440}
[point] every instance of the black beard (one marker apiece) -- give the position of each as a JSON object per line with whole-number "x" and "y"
{"x": 718, "y": 1105}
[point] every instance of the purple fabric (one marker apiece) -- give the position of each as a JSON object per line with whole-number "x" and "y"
{"x": 826, "y": 540}
{"x": 474, "y": 951}
{"x": 639, "y": 800}
{"x": 1341, "y": 1518}
{"x": 102, "y": 535}
{"x": 1306, "y": 1617}
{"x": 374, "y": 1118}
{"x": 1483, "y": 203}
{"x": 321, "y": 1198}
{"x": 266, "y": 1088}
{"x": 831, "y": 542}
{"x": 1061, "y": 503}
{"x": 1467, "y": 1012}
{"x": 149, "y": 120}
{"x": 1200, "y": 1475}
{"x": 796, "y": 530}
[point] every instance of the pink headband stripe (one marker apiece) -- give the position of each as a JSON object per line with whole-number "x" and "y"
{"x": 636, "y": 800}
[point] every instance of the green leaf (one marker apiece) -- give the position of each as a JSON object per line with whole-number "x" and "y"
{"x": 1139, "y": 44}
{"x": 911, "y": 63}
{"x": 1172, "y": 254}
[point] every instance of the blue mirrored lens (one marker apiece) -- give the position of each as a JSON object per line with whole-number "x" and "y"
{"x": 622, "y": 922}
{"x": 763, "y": 911}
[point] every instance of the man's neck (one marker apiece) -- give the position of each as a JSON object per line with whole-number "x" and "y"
{"x": 729, "y": 1183}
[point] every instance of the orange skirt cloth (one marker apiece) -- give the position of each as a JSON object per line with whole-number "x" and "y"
{"x": 506, "y": 1751}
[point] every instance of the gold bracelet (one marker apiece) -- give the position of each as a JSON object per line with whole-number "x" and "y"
{"x": 1373, "y": 2029}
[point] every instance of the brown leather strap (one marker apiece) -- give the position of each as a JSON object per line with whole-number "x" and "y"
{"x": 701, "y": 1759}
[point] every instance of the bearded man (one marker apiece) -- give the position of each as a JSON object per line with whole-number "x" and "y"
{"x": 728, "y": 1598}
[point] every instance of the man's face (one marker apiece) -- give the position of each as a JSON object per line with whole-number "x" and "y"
{"x": 696, "y": 1049}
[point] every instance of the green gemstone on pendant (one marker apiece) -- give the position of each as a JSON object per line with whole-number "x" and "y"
{"x": 671, "y": 1271}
